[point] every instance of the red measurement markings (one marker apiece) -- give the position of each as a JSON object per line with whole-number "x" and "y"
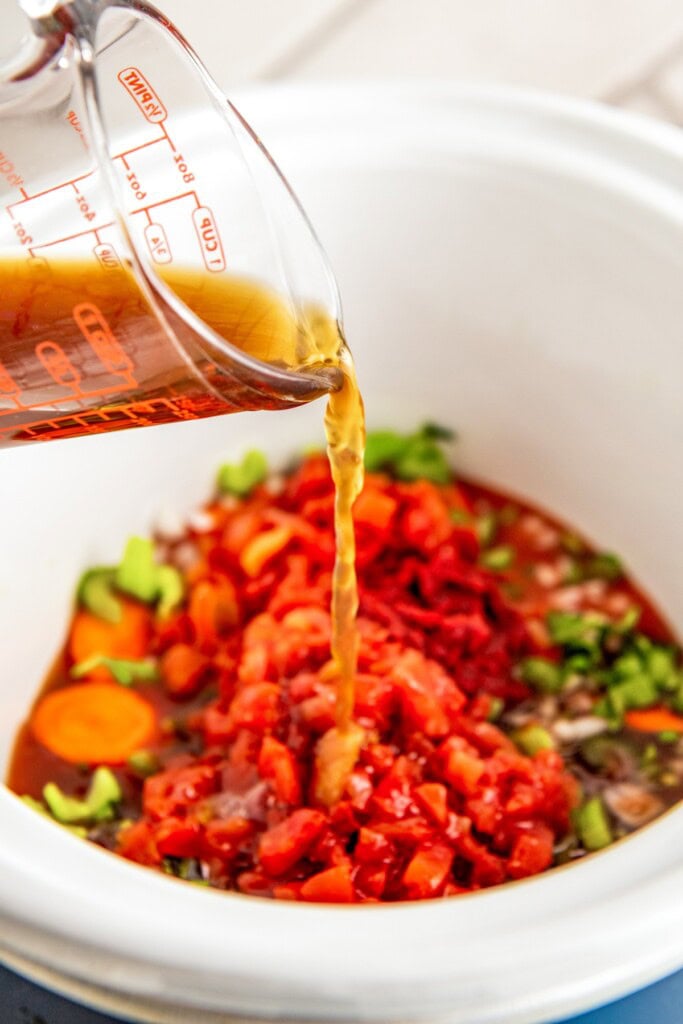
{"x": 146, "y": 99}
{"x": 9, "y": 389}
{"x": 53, "y": 188}
{"x": 157, "y": 243}
{"x": 209, "y": 238}
{"x": 59, "y": 366}
{"x": 99, "y": 335}
{"x": 106, "y": 255}
{"x": 79, "y": 234}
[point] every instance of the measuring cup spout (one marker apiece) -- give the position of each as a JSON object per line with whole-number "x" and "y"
{"x": 156, "y": 264}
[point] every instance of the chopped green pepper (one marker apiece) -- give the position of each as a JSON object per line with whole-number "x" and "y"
{"x": 143, "y": 763}
{"x": 124, "y": 672}
{"x": 416, "y": 456}
{"x": 487, "y": 528}
{"x": 592, "y": 825}
{"x": 103, "y": 793}
{"x": 498, "y": 558}
{"x": 240, "y": 478}
{"x": 170, "y": 588}
{"x": 532, "y": 738}
{"x": 541, "y": 673}
{"x": 137, "y": 573}
{"x": 96, "y": 593}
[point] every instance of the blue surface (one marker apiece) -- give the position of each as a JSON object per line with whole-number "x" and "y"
{"x": 21, "y": 1002}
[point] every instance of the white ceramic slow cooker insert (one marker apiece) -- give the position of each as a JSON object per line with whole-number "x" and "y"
{"x": 512, "y": 266}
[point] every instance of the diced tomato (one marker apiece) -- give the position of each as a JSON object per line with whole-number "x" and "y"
{"x": 136, "y": 842}
{"x": 532, "y": 851}
{"x": 182, "y": 668}
{"x": 284, "y": 844}
{"x": 223, "y": 837}
{"x": 433, "y": 798}
{"x": 256, "y": 707}
{"x": 276, "y": 763}
{"x": 178, "y": 837}
{"x": 331, "y": 886}
{"x": 374, "y": 508}
{"x": 461, "y": 766}
{"x": 176, "y": 789}
{"x": 427, "y": 872}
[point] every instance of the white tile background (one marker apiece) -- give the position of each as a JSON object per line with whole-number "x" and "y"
{"x": 624, "y": 51}
{"x": 628, "y": 52}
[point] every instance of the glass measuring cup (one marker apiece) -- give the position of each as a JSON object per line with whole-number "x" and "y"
{"x": 154, "y": 264}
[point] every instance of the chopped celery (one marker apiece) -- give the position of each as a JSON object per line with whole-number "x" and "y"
{"x": 240, "y": 478}
{"x": 487, "y": 528}
{"x": 532, "y": 738}
{"x": 542, "y": 674}
{"x": 423, "y": 460}
{"x": 571, "y": 629}
{"x": 668, "y": 736}
{"x": 592, "y": 825}
{"x": 383, "y": 448}
{"x": 143, "y": 763}
{"x": 137, "y": 573}
{"x": 124, "y": 672}
{"x": 171, "y": 590}
{"x": 96, "y": 593}
{"x": 416, "y": 456}
{"x": 98, "y": 805}
{"x": 604, "y": 566}
{"x": 498, "y": 558}
{"x": 496, "y": 709}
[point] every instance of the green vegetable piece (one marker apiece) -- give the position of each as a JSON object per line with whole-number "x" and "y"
{"x": 604, "y": 566}
{"x": 40, "y": 808}
{"x": 460, "y": 516}
{"x": 35, "y": 805}
{"x": 570, "y": 629}
{"x": 487, "y": 528}
{"x": 415, "y": 456}
{"x": 496, "y": 709}
{"x": 137, "y": 573}
{"x": 638, "y": 691}
{"x": 103, "y": 793}
{"x": 498, "y": 559}
{"x": 629, "y": 620}
{"x": 124, "y": 672}
{"x": 661, "y": 667}
{"x": 542, "y": 674}
{"x": 626, "y": 666}
{"x": 572, "y": 544}
{"x": 96, "y": 593}
{"x": 383, "y": 448}
{"x": 240, "y": 478}
{"x": 649, "y": 756}
{"x": 593, "y": 826}
{"x": 423, "y": 460}
{"x": 668, "y": 736}
{"x": 143, "y": 763}
{"x": 435, "y": 432}
{"x": 532, "y": 738}
{"x": 171, "y": 590}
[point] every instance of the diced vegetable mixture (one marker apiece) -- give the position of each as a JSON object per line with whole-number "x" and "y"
{"x": 518, "y": 702}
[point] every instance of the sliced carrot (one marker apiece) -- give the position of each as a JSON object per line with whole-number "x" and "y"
{"x": 657, "y": 719}
{"x": 93, "y": 723}
{"x": 124, "y": 639}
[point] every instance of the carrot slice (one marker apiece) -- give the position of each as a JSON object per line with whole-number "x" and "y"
{"x": 124, "y": 639}
{"x": 657, "y": 719}
{"x": 93, "y": 723}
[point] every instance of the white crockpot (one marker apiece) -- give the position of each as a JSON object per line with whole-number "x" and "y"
{"x": 511, "y": 265}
